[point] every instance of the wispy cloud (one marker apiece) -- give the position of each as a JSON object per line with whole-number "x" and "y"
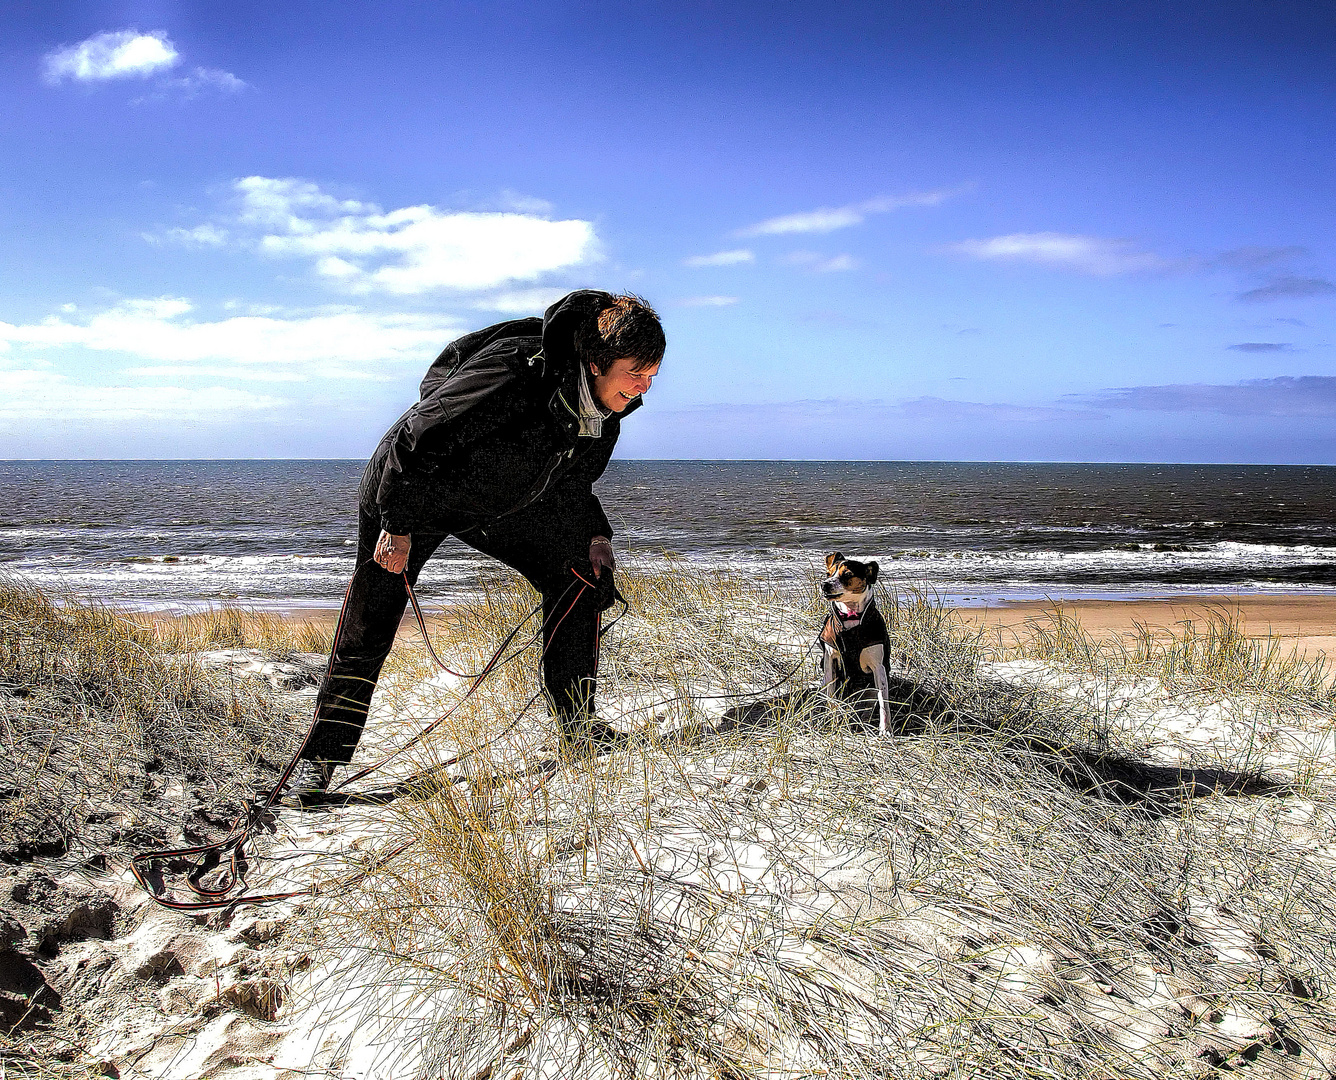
{"x": 200, "y": 236}
{"x": 708, "y": 301}
{"x": 1269, "y": 267}
{"x": 188, "y": 371}
{"x": 830, "y": 218}
{"x": 1093, "y": 255}
{"x": 117, "y": 54}
{"x": 950, "y": 411}
{"x": 520, "y": 301}
{"x": 819, "y": 411}
{"x": 345, "y": 344}
{"x": 29, "y": 394}
{"x": 821, "y": 264}
{"x": 1258, "y": 257}
{"x": 1288, "y": 395}
{"x": 412, "y": 250}
{"x": 189, "y": 86}
{"x": 1263, "y": 346}
{"x": 122, "y": 54}
{"x": 1288, "y": 286}
{"x": 721, "y": 258}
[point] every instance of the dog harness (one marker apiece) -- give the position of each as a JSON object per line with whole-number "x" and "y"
{"x": 855, "y": 631}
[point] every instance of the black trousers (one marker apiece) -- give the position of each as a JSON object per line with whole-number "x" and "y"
{"x": 534, "y": 544}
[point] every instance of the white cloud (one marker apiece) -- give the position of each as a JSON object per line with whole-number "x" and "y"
{"x": 124, "y": 54}
{"x": 524, "y": 204}
{"x": 199, "y": 236}
{"x": 214, "y": 77}
{"x": 344, "y": 344}
{"x": 115, "y": 55}
{"x": 35, "y": 394}
{"x": 521, "y": 301}
{"x": 177, "y": 371}
{"x": 708, "y": 301}
{"x": 189, "y": 86}
{"x": 412, "y": 250}
{"x": 829, "y": 218}
{"x": 721, "y": 258}
{"x": 1084, "y": 254}
{"x": 821, "y": 264}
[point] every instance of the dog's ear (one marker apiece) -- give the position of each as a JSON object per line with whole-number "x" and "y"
{"x": 871, "y": 576}
{"x": 833, "y": 560}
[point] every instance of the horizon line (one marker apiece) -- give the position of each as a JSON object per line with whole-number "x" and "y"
{"x": 741, "y": 460}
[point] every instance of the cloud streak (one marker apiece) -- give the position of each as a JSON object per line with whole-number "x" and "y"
{"x": 31, "y": 394}
{"x": 1288, "y": 286}
{"x": 708, "y": 301}
{"x": 721, "y": 258}
{"x": 825, "y": 411}
{"x": 1288, "y": 395}
{"x": 1093, "y": 255}
{"x": 827, "y": 219}
{"x": 821, "y": 264}
{"x": 351, "y": 345}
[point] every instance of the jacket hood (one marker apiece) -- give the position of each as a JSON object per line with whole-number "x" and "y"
{"x": 561, "y": 322}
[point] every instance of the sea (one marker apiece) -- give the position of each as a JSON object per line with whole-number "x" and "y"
{"x": 271, "y": 534}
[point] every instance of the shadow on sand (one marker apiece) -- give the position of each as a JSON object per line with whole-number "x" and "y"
{"x": 917, "y": 709}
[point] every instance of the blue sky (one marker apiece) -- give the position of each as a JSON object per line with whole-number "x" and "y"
{"x": 1036, "y": 231}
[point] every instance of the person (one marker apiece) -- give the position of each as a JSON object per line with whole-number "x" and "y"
{"x": 514, "y": 425}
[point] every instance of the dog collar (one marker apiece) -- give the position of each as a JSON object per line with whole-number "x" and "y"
{"x": 848, "y": 614}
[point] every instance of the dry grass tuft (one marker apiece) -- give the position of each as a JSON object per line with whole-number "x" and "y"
{"x": 1200, "y": 655}
{"x": 750, "y": 888}
{"x": 113, "y": 736}
{"x": 233, "y": 628}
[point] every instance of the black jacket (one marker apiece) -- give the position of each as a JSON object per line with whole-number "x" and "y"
{"x": 496, "y": 430}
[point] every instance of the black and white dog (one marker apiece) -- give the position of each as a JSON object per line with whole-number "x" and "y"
{"x": 855, "y": 640}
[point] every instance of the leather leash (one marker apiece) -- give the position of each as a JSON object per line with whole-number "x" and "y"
{"x": 232, "y": 847}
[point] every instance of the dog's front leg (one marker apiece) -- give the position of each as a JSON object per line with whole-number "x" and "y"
{"x": 828, "y": 660}
{"x": 873, "y": 660}
{"x": 830, "y": 655}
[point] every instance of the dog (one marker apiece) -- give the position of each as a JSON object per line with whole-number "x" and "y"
{"x": 855, "y": 642}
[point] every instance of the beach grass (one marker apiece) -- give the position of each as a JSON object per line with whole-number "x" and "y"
{"x": 1213, "y": 654}
{"x": 99, "y": 707}
{"x": 751, "y": 887}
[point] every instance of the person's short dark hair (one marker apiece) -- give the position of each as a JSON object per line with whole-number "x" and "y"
{"x": 626, "y": 327}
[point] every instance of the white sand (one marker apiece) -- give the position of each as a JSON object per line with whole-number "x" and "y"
{"x": 738, "y": 852}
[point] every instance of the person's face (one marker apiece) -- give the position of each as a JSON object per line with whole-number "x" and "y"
{"x": 617, "y": 387}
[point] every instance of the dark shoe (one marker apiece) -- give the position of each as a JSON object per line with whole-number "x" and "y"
{"x": 308, "y": 783}
{"x": 589, "y": 735}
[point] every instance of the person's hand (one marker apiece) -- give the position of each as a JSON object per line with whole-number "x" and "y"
{"x": 392, "y": 551}
{"x": 600, "y": 555}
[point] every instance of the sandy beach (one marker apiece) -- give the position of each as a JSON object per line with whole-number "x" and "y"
{"x": 1306, "y": 619}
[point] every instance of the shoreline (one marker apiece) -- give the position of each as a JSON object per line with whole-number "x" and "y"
{"x": 1306, "y": 619}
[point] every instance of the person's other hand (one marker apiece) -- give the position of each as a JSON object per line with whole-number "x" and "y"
{"x": 392, "y": 551}
{"x": 600, "y": 555}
